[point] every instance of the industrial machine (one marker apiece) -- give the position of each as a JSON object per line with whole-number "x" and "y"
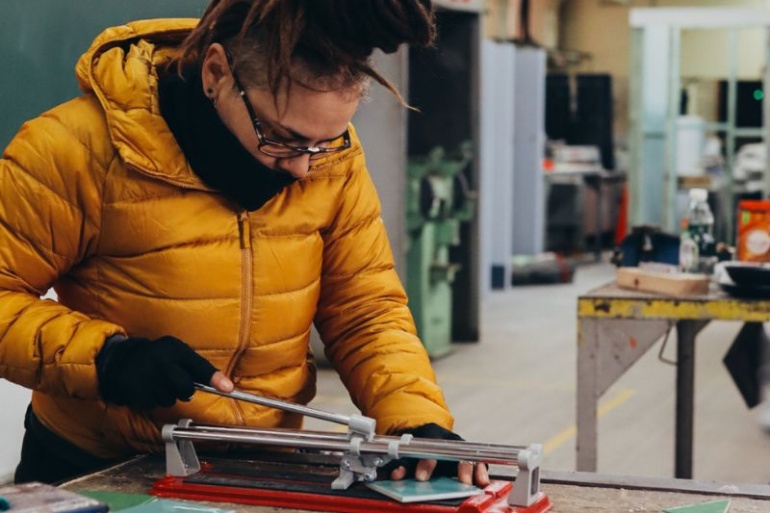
{"x": 438, "y": 200}
{"x": 329, "y": 470}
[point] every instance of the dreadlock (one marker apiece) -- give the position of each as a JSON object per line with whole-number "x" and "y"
{"x": 318, "y": 43}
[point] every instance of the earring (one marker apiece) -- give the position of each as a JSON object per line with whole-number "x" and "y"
{"x": 211, "y": 96}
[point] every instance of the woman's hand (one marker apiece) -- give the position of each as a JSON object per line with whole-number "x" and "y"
{"x": 145, "y": 374}
{"x": 423, "y": 470}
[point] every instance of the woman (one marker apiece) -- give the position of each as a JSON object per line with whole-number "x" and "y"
{"x": 196, "y": 210}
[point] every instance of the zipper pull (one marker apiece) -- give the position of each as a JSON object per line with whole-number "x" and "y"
{"x": 245, "y": 230}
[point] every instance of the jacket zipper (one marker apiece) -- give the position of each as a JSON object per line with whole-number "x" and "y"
{"x": 247, "y": 280}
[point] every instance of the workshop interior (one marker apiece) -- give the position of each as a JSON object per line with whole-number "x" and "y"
{"x": 577, "y": 199}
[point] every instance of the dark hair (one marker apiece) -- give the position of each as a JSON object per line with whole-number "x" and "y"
{"x": 322, "y": 44}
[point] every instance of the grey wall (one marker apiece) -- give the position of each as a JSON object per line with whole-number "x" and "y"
{"x": 41, "y": 40}
{"x": 381, "y": 124}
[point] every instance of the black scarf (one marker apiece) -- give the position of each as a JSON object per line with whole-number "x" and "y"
{"x": 214, "y": 153}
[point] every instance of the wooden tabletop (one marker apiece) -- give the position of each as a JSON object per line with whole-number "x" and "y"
{"x": 611, "y": 290}
{"x": 570, "y": 492}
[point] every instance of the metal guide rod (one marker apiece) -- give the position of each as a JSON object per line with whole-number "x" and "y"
{"x": 428, "y": 442}
{"x": 383, "y": 445}
{"x": 281, "y": 405}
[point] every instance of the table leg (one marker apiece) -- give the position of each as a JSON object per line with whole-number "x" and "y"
{"x": 685, "y": 391}
{"x": 607, "y": 348}
{"x": 587, "y": 395}
{"x": 594, "y": 182}
{"x": 598, "y": 222}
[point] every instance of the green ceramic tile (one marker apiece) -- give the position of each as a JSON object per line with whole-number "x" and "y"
{"x": 411, "y": 490}
{"x": 704, "y": 507}
{"x": 117, "y": 500}
{"x": 169, "y": 506}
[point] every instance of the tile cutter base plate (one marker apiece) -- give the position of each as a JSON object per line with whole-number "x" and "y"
{"x": 303, "y": 481}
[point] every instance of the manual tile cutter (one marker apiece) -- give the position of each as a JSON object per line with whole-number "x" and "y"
{"x": 329, "y": 482}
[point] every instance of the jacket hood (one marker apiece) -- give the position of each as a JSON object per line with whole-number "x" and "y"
{"x": 120, "y": 70}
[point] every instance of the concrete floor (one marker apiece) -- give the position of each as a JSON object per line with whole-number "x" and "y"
{"x": 517, "y": 386}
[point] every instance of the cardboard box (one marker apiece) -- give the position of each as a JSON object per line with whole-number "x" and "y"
{"x": 753, "y": 234}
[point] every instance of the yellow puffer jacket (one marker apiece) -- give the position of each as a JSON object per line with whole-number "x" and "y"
{"x": 97, "y": 200}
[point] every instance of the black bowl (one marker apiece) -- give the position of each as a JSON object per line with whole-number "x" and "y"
{"x": 749, "y": 274}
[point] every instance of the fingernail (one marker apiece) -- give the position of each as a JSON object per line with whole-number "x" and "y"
{"x": 421, "y": 475}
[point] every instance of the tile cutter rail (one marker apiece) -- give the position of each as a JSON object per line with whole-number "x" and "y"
{"x": 362, "y": 452}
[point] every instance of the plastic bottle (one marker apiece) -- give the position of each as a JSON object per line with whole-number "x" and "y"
{"x": 700, "y": 227}
{"x": 688, "y": 250}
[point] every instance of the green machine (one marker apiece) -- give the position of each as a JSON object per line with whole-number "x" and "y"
{"x": 438, "y": 200}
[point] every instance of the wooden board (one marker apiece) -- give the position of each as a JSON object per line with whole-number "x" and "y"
{"x": 634, "y": 278}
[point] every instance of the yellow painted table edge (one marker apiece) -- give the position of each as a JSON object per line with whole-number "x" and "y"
{"x": 648, "y": 306}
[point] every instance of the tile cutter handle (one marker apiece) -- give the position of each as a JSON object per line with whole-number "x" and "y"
{"x": 358, "y": 424}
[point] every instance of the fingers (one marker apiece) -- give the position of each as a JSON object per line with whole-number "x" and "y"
{"x": 424, "y": 469}
{"x": 398, "y": 474}
{"x": 163, "y": 397}
{"x": 180, "y": 383}
{"x": 472, "y": 473}
{"x": 181, "y": 377}
{"x": 482, "y": 475}
{"x": 180, "y": 386}
{"x": 201, "y": 370}
{"x": 465, "y": 472}
{"x": 222, "y": 382}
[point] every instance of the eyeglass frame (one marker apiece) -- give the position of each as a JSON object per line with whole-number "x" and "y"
{"x": 295, "y": 151}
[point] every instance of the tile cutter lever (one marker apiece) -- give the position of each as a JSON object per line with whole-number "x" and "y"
{"x": 358, "y": 425}
{"x": 362, "y": 451}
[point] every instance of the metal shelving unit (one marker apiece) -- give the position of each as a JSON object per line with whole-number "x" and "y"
{"x": 656, "y": 81}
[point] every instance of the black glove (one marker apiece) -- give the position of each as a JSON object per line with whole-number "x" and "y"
{"x": 145, "y": 374}
{"x": 443, "y": 468}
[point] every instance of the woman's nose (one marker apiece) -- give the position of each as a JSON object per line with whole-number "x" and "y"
{"x": 297, "y": 167}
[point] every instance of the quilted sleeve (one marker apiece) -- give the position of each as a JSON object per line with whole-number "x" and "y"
{"x": 363, "y": 318}
{"x": 50, "y": 190}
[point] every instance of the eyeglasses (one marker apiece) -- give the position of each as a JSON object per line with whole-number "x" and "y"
{"x": 278, "y": 149}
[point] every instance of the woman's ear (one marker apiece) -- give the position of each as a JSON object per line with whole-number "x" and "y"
{"x": 215, "y": 71}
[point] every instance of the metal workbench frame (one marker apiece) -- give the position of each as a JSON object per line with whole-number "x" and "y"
{"x": 616, "y": 327}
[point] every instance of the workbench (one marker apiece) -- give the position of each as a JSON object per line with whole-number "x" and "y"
{"x": 570, "y": 492}
{"x": 616, "y": 327}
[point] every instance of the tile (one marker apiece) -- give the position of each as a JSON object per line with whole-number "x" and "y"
{"x": 704, "y": 507}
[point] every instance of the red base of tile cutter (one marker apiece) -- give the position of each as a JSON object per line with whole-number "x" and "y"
{"x": 278, "y": 484}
